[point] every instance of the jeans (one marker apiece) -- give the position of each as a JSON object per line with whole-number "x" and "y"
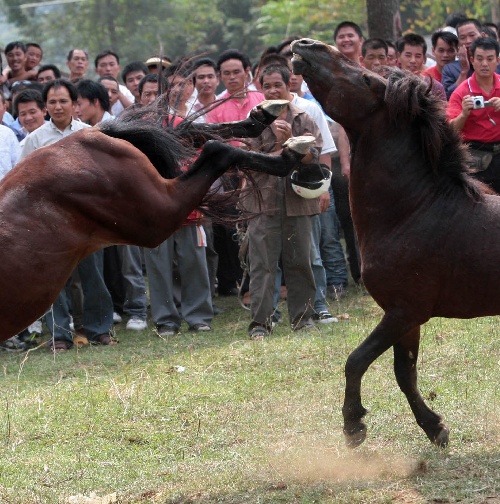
{"x": 97, "y": 303}
{"x": 330, "y": 247}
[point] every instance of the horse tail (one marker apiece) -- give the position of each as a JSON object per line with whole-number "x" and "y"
{"x": 163, "y": 148}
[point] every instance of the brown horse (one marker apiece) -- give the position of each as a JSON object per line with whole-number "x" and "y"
{"x": 91, "y": 190}
{"x": 428, "y": 234}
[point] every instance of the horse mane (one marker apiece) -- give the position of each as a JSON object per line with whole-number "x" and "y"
{"x": 411, "y": 102}
{"x": 147, "y": 130}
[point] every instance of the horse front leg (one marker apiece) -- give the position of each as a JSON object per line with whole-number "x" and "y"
{"x": 260, "y": 117}
{"x": 385, "y": 335}
{"x": 405, "y": 368}
{"x": 219, "y": 157}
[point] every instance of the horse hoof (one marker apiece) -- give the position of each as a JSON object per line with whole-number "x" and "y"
{"x": 300, "y": 144}
{"x": 441, "y": 440}
{"x": 273, "y": 107}
{"x": 356, "y": 437}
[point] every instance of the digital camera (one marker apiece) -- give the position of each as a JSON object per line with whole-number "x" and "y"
{"x": 479, "y": 102}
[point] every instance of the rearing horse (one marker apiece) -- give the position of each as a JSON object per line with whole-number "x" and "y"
{"x": 428, "y": 233}
{"x": 117, "y": 183}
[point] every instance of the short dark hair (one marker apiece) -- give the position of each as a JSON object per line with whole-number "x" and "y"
{"x": 466, "y": 21}
{"x": 390, "y": 43}
{"x": 234, "y": 54}
{"x": 19, "y": 86}
{"x": 446, "y": 36}
{"x": 374, "y": 43}
{"x": 489, "y": 24}
{"x": 283, "y": 70}
{"x": 34, "y": 44}
{"x": 411, "y": 39}
{"x": 108, "y": 77}
{"x": 44, "y": 68}
{"x": 92, "y": 91}
{"x": 14, "y": 45}
{"x": 134, "y": 66}
{"x": 273, "y": 59}
{"x": 103, "y": 54}
{"x": 204, "y": 62}
{"x": 454, "y": 18}
{"x": 29, "y": 95}
{"x": 148, "y": 78}
{"x": 486, "y": 43}
{"x": 487, "y": 31}
{"x": 58, "y": 83}
{"x": 70, "y": 53}
{"x": 347, "y": 24}
{"x": 285, "y": 42}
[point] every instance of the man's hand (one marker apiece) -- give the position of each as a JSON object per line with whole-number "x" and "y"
{"x": 324, "y": 201}
{"x": 495, "y": 103}
{"x": 463, "y": 59}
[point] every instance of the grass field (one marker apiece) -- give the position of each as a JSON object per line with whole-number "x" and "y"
{"x": 209, "y": 418}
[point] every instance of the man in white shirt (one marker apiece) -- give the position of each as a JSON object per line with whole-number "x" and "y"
{"x": 108, "y": 63}
{"x": 9, "y": 150}
{"x": 60, "y": 97}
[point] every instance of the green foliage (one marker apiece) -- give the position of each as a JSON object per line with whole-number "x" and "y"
{"x": 425, "y": 16}
{"x": 137, "y": 29}
{"x": 280, "y": 19}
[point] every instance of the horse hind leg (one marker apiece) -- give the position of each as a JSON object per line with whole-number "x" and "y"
{"x": 405, "y": 369}
{"x": 385, "y": 335}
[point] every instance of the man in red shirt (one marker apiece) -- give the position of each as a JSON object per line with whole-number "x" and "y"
{"x": 474, "y": 107}
{"x": 234, "y": 68}
{"x": 444, "y": 50}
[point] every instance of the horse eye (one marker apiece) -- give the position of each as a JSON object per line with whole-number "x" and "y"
{"x": 366, "y": 79}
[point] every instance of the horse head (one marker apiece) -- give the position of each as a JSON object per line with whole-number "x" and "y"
{"x": 347, "y": 92}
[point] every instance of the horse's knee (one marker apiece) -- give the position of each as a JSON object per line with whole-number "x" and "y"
{"x": 356, "y": 365}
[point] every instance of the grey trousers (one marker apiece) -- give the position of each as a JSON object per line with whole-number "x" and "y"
{"x": 270, "y": 236}
{"x": 196, "y": 299}
{"x": 135, "y": 303}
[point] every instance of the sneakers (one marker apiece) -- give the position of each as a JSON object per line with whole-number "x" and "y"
{"x": 116, "y": 318}
{"x": 14, "y": 344}
{"x": 324, "y": 317}
{"x": 136, "y": 324}
{"x": 200, "y": 328}
{"x": 167, "y": 330}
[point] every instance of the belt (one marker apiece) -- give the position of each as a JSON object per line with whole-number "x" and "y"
{"x": 485, "y": 146}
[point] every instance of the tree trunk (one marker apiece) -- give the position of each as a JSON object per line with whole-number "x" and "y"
{"x": 495, "y": 11}
{"x": 384, "y": 20}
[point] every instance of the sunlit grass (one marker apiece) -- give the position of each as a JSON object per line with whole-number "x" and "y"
{"x": 218, "y": 418}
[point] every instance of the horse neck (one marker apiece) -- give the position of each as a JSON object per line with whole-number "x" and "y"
{"x": 389, "y": 178}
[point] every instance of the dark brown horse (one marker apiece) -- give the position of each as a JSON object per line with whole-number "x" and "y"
{"x": 429, "y": 235}
{"x": 118, "y": 183}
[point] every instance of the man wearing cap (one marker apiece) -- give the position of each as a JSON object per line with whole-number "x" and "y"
{"x": 153, "y": 62}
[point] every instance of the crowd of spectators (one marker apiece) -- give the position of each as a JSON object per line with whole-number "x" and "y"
{"x": 294, "y": 244}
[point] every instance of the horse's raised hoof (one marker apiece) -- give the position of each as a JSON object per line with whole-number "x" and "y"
{"x": 273, "y": 107}
{"x": 300, "y": 144}
{"x": 441, "y": 440}
{"x": 355, "y": 437}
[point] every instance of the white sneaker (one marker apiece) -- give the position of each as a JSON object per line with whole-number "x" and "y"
{"x": 35, "y": 327}
{"x": 136, "y": 324}
{"x": 117, "y": 318}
